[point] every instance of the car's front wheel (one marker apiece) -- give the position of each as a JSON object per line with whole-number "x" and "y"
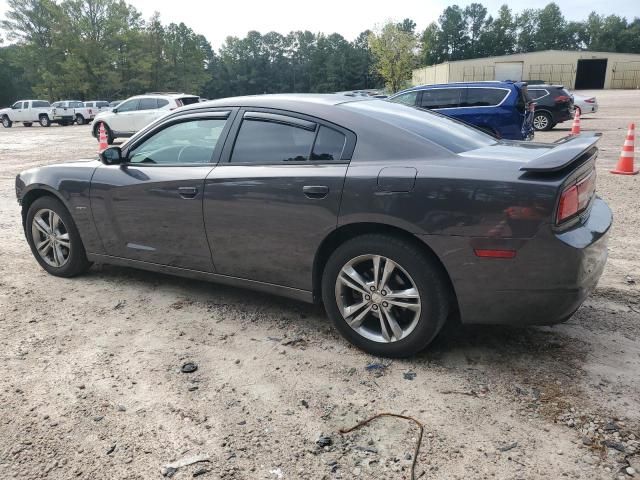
{"x": 6, "y": 123}
{"x": 385, "y": 295}
{"x": 542, "y": 121}
{"x": 54, "y": 238}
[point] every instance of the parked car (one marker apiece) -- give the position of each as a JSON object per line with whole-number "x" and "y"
{"x": 393, "y": 216}
{"x": 29, "y": 112}
{"x": 585, "y": 104}
{"x": 553, "y": 105}
{"x": 135, "y": 113}
{"x": 114, "y": 104}
{"x": 97, "y": 106}
{"x": 75, "y": 110}
{"x": 500, "y": 109}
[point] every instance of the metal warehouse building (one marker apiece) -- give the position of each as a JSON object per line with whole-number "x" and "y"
{"x": 574, "y": 69}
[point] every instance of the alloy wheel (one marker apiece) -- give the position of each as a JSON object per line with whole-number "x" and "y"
{"x": 378, "y": 298}
{"x": 6, "y": 123}
{"x": 540, "y": 122}
{"x": 51, "y": 238}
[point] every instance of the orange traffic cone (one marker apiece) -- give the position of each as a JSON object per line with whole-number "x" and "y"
{"x": 625, "y": 163}
{"x": 575, "y": 128}
{"x": 102, "y": 139}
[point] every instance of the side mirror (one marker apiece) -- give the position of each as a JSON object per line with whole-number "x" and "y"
{"x": 111, "y": 156}
{"x": 115, "y": 110}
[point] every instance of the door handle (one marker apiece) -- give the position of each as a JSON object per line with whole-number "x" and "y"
{"x": 187, "y": 192}
{"x": 315, "y": 191}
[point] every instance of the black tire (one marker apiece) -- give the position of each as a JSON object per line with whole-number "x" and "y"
{"x": 427, "y": 275}
{"x": 76, "y": 262}
{"x": 6, "y": 122}
{"x": 542, "y": 121}
{"x": 80, "y": 120}
{"x": 27, "y": 124}
{"x": 107, "y": 130}
{"x": 44, "y": 121}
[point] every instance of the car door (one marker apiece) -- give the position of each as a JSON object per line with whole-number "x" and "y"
{"x": 16, "y": 114}
{"x": 123, "y": 118}
{"x": 482, "y": 107}
{"x": 275, "y": 196}
{"x": 147, "y": 112}
{"x": 149, "y": 208}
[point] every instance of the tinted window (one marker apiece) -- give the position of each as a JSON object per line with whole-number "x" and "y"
{"x": 17, "y": 106}
{"x": 40, "y": 104}
{"x": 162, "y": 102}
{"x": 444, "y": 131}
{"x": 187, "y": 142}
{"x": 128, "y": 106}
{"x": 329, "y": 145}
{"x": 408, "y": 98}
{"x": 147, "y": 104}
{"x": 77, "y": 104}
{"x": 536, "y": 93}
{"x": 441, "y": 98}
{"x": 188, "y": 100}
{"x": 88, "y": 104}
{"x": 57, "y": 104}
{"x": 268, "y": 142}
{"x": 102, "y": 104}
{"x": 484, "y": 97}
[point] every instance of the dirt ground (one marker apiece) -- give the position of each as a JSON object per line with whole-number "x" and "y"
{"x": 92, "y": 388}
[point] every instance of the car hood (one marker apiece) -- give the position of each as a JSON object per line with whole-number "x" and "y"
{"x": 102, "y": 115}
{"x": 4, "y": 110}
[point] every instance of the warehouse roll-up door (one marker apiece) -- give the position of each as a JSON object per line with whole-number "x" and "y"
{"x": 509, "y": 71}
{"x": 591, "y": 73}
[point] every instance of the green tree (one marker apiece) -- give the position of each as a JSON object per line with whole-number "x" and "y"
{"x": 452, "y": 39}
{"x": 393, "y": 50}
{"x": 475, "y": 15}
{"x": 499, "y": 36}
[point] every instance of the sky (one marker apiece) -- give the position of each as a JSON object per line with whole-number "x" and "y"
{"x": 218, "y": 19}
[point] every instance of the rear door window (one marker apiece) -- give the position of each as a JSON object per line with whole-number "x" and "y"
{"x": 537, "y": 93}
{"x": 484, "y": 97}
{"x": 147, "y": 104}
{"x": 329, "y": 145}
{"x": 441, "y": 98}
{"x": 162, "y": 102}
{"x": 274, "y": 140}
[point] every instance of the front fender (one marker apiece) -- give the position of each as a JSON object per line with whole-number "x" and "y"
{"x": 71, "y": 184}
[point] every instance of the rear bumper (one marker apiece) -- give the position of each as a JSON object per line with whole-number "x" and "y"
{"x": 545, "y": 283}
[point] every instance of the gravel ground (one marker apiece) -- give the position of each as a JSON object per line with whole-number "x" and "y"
{"x": 92, "y": 385}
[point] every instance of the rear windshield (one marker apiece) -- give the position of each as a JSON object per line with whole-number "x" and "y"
{"x": 439, "y": 129}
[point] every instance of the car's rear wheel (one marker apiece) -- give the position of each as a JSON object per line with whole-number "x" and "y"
{"x": 54, "y": 238}
{"x": 542, "y": 121}
{"x": 6, "y": 123}
{"x": 44, "y": 121}
{"x": 27, "y": 124}
{"x": 80, "y": 119}
{"x": 385, "y": 295}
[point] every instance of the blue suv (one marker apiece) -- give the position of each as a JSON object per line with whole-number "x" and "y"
{"x": 501, "y": 109}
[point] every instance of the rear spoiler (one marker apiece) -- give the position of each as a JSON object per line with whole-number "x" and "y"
{"x": 566, "y": 151}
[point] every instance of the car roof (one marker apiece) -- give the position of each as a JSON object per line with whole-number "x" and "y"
{"x": 301, "y": 102}
{"x": 487, "y": 83}
{"x": 544, "y": 85}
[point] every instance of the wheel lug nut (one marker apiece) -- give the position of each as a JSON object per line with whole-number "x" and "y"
{"x": 375, "y": 307}
{"x": 372, "y": 288}
{"x": 385, "y": 304}
{"x": 367, "y": 297}
{"x": 383, "y": 292}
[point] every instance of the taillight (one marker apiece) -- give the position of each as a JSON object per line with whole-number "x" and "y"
{"x": 562, "y": 99}
{"x": 590, "y": 100}
{"x": 575, "y": 198}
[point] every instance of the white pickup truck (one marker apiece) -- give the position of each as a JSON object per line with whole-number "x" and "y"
{"x": 74, "y": 110}
{"x": 29, "y": 112}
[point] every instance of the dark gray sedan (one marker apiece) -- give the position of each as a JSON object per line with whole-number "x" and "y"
{"x": 395, "y": 218}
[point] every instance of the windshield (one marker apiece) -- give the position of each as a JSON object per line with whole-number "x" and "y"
{"x": 437, "y": 128}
